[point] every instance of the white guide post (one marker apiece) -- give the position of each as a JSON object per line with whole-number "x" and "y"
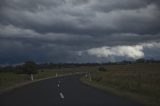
{"x": 32, "y": 77}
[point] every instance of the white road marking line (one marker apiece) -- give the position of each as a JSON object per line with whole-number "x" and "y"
{"x": 58, "y": 85}
{"x": 61, "y": 95}
{"x": 59, "y": 82}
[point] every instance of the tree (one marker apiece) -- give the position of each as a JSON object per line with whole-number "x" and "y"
{"x": 30, "y": 68}
{"x": 141, "y": 60}
{"x": 102, "y": 69}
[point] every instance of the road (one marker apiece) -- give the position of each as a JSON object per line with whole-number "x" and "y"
{"x": 63, "y": 91}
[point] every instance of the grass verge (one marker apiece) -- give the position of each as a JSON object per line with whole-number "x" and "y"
{"x": 140, "y": 82}
{"x": 9, "y": 80}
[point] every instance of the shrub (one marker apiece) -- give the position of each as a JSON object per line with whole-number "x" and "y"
{"x": 97, "y": 78}
{"x": 101, "y": 69}
{"x": 30, "y": 67}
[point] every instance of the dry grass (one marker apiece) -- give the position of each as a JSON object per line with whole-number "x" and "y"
{"x": 11, "y": 80}
{"x": 141, "y": 80}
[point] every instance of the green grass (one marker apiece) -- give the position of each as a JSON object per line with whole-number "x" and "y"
{"x": 11, "y": 80}
{"x": 140, "y": 82}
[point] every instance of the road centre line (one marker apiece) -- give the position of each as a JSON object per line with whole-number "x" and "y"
{"x": 58, "y": 85}
{"x": 61, "y": 95}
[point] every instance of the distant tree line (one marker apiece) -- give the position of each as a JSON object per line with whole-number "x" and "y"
{"x": 32, "y": 66}
{"x": 29, "y": 67}
{"x": 141, "y": 60}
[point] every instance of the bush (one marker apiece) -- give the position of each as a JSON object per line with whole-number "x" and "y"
{"x": 101, "y": 69}
{"x": 30, "y": 67}
{"x": 97, "y": 78}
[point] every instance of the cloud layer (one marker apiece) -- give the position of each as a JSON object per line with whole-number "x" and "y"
{"x": 130, "y": 52}
{"x": 55, "y": 30}
{"x": 134, "y": 52}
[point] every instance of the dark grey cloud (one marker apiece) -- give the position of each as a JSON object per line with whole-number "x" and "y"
{"x": 64, "y": 16}
{"x": 56, "y": 30}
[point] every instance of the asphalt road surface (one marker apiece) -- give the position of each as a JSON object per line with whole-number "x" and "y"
{"x": 63, "y": 91}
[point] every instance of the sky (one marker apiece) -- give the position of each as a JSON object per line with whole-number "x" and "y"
{"x": 79, "y": 31}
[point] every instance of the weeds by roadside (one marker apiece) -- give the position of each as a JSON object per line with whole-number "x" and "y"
{"x": 138, "y": 81}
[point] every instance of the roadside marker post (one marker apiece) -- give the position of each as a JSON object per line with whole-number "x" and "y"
{"x": 90, "y": 78}
{"x": 32, "y": 77}
{"x": 86, "y": 75}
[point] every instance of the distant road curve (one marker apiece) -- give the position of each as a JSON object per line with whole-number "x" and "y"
{"x": 63, "y": 91}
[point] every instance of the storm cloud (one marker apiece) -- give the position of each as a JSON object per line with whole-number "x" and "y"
{"x": 78, "y": 30}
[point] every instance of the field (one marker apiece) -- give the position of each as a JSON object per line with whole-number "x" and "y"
{"x": 140, "y": 82}
{"x": 11, "y": 80}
